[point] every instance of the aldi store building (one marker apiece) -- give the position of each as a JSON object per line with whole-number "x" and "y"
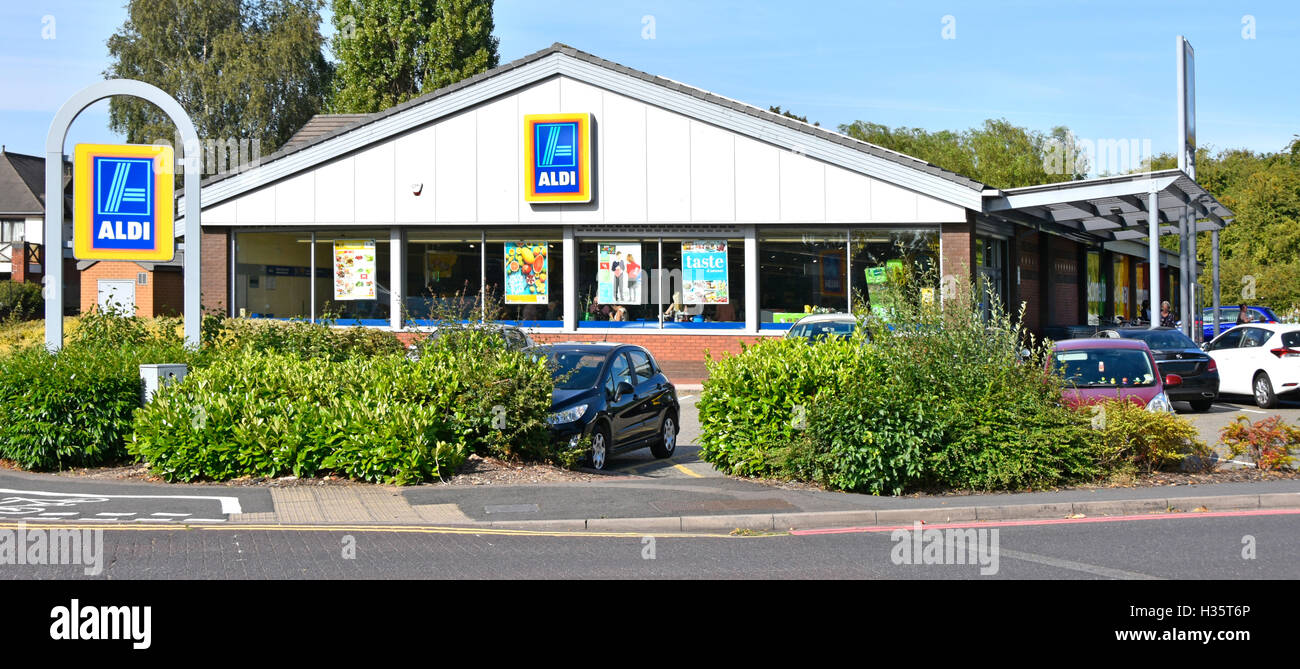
{"x": 589, "y": 201}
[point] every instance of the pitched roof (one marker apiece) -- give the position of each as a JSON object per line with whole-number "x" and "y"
{"x": 364, "y": 120}
{"x": 321, "y": 125}
{"x": 22, "y": 184}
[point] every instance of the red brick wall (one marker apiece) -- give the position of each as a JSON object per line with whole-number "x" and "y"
{"x": 91, "y": 276}
{"x": 1066, "y": 275}
{"x": 214, "y": 256}
{"x": 18, "y": 258}
{"x": 956, "y": 240}
{"x": 1030, "y": 278}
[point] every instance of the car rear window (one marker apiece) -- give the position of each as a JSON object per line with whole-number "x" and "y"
{"x": 1105, "y": 368}
{"x": 1291, "y": 339}
{"x": 1255, "y": 337}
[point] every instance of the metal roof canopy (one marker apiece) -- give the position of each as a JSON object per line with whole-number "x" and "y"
{"x": 1111, "y": 208}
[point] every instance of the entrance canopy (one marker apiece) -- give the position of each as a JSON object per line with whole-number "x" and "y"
{"x": 1112, "y": 208}
{"x": 1130, "y": 207}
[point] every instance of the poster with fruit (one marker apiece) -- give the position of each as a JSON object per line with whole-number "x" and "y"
{"x": 354, "y": 269}
{"x": 526, "y": 272}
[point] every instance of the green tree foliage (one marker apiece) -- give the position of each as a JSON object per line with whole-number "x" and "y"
{"x": 789, "y": 114}
{"x": 1263, "y": 242}
{"x": 390, "y": 51}
{"x": 243, "y": 69}
{"x": 997, "y": 153}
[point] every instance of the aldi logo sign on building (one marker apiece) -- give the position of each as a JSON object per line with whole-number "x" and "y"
{"x": 557, "y": 158}
{"x": 122, "y": 207}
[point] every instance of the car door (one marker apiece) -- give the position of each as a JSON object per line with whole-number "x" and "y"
{"x": 1226, "y": 351}
{"x": 649, "y": 394}
{"x": 1253, "y": 356}
{"x": 622, "y": 410}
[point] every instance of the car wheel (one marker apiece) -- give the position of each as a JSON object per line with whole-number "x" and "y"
{"x": 667, "y": 443}
{"x": 599, "y": 447}
{"x": 1264, "y": 396}
{"x": 1201, "y": 406}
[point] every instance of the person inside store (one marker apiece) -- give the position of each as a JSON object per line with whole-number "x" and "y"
{"x": 1146, "y": 310}
{"x": 1167, "y": 316}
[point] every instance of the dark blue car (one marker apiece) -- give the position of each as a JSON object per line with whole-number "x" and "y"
{"x": 616, "y": 395}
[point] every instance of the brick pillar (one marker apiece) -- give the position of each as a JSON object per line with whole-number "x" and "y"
{"x": 958, "y": 242}
{"x": 18, "y": 256}
{"x": 214, "y": 256}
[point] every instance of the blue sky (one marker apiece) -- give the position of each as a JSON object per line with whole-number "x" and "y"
{"x": 1103, "y": 68}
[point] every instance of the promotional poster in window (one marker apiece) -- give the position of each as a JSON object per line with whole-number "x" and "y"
{"x": 704, "y": 271}
{"x": 526, "y": 273}
{"x": 619, "y": 277}
{"x": 354, "y": 270}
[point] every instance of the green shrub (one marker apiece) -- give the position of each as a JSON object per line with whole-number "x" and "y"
{"x": 21, "y": 301}
{"x": 301, "y": 338}
{"x": 1132, "y": 439}
{"x": 1269, "y": 442}
{"x": 75, "y": 408}
{"x": 755, "y": 402}
{"x": 939, "y": 396}
{"x": 375, "y": 418}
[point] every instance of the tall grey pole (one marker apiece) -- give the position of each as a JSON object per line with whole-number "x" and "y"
{"x": 1183, "y": 274}
{"x": 1194, "y": 285}
{"x": 1214, "y": 260}
{"x": 1153, "y": 236}
{"x": 54, "y": 237}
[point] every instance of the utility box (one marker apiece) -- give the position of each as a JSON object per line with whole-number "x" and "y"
{"x": 157, "y": 377}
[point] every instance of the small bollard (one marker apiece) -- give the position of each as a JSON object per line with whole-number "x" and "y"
{"x": 156, "y": 377}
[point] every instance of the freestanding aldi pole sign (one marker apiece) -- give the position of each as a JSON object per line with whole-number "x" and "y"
{"x": 122, "y": 207}
{"x": 122, "y": 201}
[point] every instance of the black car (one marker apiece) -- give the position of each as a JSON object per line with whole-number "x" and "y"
{"x": 613, "y": 393}
{"x": 1176, "y": 353}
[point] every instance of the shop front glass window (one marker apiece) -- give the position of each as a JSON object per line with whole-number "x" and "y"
{"x": 891, "y": 264}
{"x": 353, "y": 277}
{"x": 615, "y": 286}
{"x": 443, "y": 275}
{"x": 525, "y": 276}
{"x": 801, "y": 271}
{"x": 702, "y": 282}
{"x": 273, "y": 275}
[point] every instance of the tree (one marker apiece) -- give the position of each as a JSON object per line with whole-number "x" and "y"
{"x": 245, "y": 70}
{"x": 789, "y": 114}
{"x": 390, "y": 51}
{"x": 997, "y": 153}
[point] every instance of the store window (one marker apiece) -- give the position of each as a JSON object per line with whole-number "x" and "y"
{"x": 273, "y": 275}
{"x": 525, "y": 276}
{"x": 886, "y": 263}
{"x": 670, "y": 282}
{"x": 353, "y": 276}
{"x": 444, "y": 275}
{"x": 1123, "y": 307}
{"x": 800, "y": 272}
{"x": 1096, "y": 289}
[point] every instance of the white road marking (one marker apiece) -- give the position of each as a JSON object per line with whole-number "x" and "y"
{"x": 162, "y": 513}
{"x": 1078, "y": 566}
{"x": 681, "y": 399}
{"x": 204, "y": 520}
{"x": 1226, "y": 406}
{"x": 115, "y": 514}
{"x": 228, "y": 504}
{"x": 63, "y": 513}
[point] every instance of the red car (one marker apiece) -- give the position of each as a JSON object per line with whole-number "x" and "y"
{"x": 1099, "y": 369}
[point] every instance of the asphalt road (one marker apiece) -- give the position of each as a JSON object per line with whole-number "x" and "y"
{"x": 1227, "y": 409}
{"x": 1167, "y": 547}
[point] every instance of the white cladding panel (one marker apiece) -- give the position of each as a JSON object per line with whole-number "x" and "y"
{"x": 651, "y": 165}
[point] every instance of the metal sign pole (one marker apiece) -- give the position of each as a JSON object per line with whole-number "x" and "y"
{"x": 55, "y": 238}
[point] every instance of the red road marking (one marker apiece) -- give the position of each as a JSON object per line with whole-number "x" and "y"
{"x": 1053, "y": 521}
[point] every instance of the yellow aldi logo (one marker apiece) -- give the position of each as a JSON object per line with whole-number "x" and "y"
{"x": 122, "y": 202}
{"x": 557, "y": 158}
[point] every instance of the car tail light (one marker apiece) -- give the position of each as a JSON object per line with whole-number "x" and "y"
{"x": 1285, "y": 352}
{"x": 1213, "y": 367}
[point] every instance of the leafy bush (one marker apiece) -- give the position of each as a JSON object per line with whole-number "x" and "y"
{"x": 1131, "y": 438}
{"x": 375, "y": 418}
{"x": 1269, "y": 442}
{"x": 21, "y": 301}
{"x": 301, "y": 338}
{"x": 936, "y": 396}
{"x": 75, "y": 408}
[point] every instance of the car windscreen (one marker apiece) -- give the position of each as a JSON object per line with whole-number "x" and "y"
{"x": 1161, "y": 339}
{"x": 823, "y": 329}
{"x": 575, "y": 370}
{"x": 1105, "y": 368}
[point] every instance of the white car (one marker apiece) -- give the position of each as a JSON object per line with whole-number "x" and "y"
{"x": 1258, "y": 359}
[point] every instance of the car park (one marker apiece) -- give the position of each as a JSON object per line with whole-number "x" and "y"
{"x": 1175, "y": 353}
{"x": 1096, "y": 370}
{"x": 1259, "y": 359}
{"x": 817, "y": 327}
{"x": 614, "y": 395}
